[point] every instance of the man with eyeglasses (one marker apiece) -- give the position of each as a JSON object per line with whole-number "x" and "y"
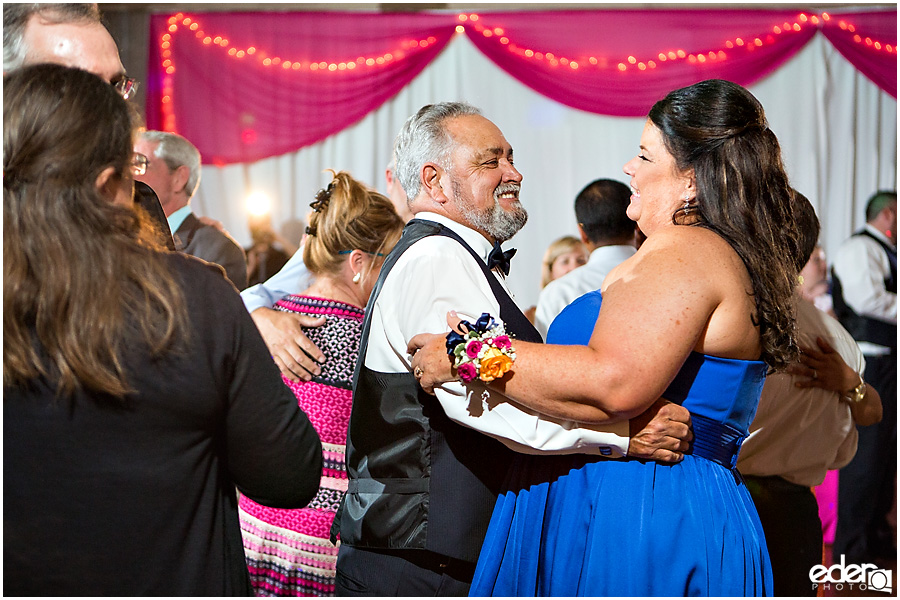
{"x": 173, "y": 170}
{"x": 73, "y": 36}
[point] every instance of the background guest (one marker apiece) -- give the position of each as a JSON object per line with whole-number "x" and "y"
{"x": 562, "y": 256}
{"x": 865, "y": 300}
{"x": 814, "y": 284}
{"x": 804, "y": 426}
{"x": 264, "y": 258}
{"x": 350, "y": 231}
{"x": 606, "y": 232}
{"x": 73, "y": 36}
{"x": 132, "y": 403}
{"x": 173, "y": 171}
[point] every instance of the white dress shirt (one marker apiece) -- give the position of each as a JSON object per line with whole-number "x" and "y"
{"x": 561, "y": 292}
{"x": 800, "y": 434}
{"x": 437, "y": 275}
{"x": 862, "y": 266}
{"x": 293, "y": 278}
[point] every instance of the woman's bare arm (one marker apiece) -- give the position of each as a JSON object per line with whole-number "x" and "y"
{"x": 656, "y": 309}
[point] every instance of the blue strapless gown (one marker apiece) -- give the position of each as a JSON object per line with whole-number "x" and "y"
{"x": 585, "y": 526}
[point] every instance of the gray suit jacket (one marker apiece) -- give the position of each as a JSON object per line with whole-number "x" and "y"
{"x": 210, "y": 244}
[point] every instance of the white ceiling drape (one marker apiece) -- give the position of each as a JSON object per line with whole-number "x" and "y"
{"x": 837, "y": 129}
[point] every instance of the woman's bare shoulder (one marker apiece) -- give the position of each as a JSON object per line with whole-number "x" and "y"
{"x": 683, "y": 254}
{"x": 692, "y": 248}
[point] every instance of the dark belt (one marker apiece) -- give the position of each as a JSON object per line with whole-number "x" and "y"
{"x": 716, "y": 441}
{"x": 461, "y": 570}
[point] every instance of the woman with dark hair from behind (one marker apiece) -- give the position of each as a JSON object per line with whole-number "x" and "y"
{"x": 137, "y": 393}
{"x": 697, "y": 316}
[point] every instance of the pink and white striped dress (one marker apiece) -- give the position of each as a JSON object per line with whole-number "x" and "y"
{"x": 288, "y": 551}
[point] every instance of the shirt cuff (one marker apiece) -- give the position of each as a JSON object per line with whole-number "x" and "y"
{"x": 256, "y": 297}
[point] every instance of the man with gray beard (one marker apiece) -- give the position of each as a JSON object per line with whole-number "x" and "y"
{"x": 424, "y": 471}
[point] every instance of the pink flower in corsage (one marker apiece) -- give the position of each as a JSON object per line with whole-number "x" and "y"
{"x": 494, "y": 364}
{"x": 467, "y": 371}
{"x": 473, "y": 348}
{"x": 502, "y": 342}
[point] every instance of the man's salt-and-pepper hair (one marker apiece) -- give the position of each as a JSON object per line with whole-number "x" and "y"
{"x": 16, "y": 16}
{"x": 176, "y": 152}
{"x": 423, "y": 139}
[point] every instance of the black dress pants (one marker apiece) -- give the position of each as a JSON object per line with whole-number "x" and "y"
{"x": 866, "y": 485}
{"x": 790, "y": 519}
{"x": 367, "y": 572}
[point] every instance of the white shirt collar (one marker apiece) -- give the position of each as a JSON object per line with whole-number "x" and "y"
{"x": 602, "y": 252}
{"x": 475, "y": 240}
{"x": 880, "y": 235}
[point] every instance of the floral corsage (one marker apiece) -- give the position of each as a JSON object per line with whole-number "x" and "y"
{"x": 483, "y": 351}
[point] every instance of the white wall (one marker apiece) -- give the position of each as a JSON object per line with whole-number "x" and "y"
{"x": 838, "y": 133}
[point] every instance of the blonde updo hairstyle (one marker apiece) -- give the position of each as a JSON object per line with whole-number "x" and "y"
{"x": 348, "y": 215}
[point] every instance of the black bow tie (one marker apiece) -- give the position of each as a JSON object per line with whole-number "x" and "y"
{"x": 500, "y": 258}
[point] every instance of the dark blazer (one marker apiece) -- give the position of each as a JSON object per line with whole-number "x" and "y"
{"x": 212, "y": 245}
{"x": 137, "y": 497}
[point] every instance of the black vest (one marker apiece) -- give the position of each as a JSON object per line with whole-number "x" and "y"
{"x": 417, "y": 479}
{"x": 862, "y": 328}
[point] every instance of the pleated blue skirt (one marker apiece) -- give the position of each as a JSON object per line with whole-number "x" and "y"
{"x": 583, "y": 526}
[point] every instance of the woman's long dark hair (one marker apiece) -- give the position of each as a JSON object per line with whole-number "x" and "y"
{"x": 718, "y": 129}
{"x": 78, "y": 271}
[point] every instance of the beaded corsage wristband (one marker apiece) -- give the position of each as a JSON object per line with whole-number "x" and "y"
{"x": 484, "y": 351}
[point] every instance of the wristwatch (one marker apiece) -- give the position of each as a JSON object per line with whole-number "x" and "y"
{"x": 856, "y": 394}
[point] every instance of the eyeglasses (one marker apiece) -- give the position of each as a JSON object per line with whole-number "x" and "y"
{"x": 369, "y": 253}
{"x": 126, "y": 86}
{"x": 139, "y": 163}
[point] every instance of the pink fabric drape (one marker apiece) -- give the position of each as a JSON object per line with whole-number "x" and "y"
{"x": 237, "y": 107}
{"x": 639, "y": 42}
{"x": 866, "y": 47}
{"x": 247, "y": 86}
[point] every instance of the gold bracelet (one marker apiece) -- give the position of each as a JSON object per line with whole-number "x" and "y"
{"x": 855, "y": 395}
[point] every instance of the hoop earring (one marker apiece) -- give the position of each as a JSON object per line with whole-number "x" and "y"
{"x": 357, "y": 277}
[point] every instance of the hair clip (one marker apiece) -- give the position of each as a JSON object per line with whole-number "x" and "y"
{"x": 310, "y": 230}
{"x": 322, "y": 198}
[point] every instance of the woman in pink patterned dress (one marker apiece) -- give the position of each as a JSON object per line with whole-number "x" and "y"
{"x": 350, "y": 230}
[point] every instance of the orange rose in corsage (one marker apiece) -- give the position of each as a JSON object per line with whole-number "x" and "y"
{"x": 494, "y": 364}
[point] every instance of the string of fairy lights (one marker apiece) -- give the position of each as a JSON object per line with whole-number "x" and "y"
{"x": 644, "y": 63}
{"x": 181, "y": 21}
{"x": 472, "y": 21}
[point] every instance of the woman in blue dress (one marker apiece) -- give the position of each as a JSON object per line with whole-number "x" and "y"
{"x": 696, "y": 316}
